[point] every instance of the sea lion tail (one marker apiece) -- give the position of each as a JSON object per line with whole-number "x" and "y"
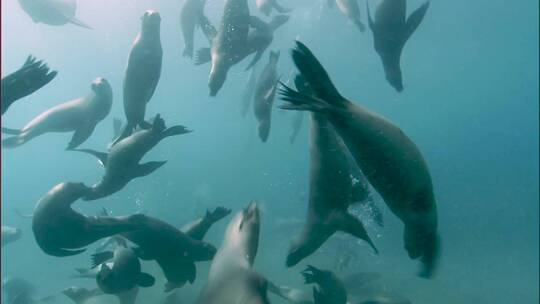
{"x": 80, "y": 23}
{"x": 11, "y": 131}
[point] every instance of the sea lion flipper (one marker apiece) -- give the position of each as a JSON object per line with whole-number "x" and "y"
{"x": 80, "y": 23}
{"x": 145, "y": 280}
{"x": 147, "y": 168}
{"x": 202, "y": 56}
{"x": 415, "y": 19}
{"x": 101, "y": 156}
{"x": 176, "y": 130}
{"x": 81, "y": 135}
{"x": 11, "y": 131}
{"x": 301, "y": 102}
{"x": 350, "y": 224}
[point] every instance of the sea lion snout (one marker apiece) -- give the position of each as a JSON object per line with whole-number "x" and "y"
{"x": 251, "y": 213}
{"x": 100, "y": 85}
{"x": 151, "y": 17}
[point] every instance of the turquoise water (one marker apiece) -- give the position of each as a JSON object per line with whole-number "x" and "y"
{"x": 470, "y": 104}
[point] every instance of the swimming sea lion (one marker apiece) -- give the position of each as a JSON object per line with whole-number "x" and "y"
{"x": 265, "y": 92}
{"x": 390, "y": 161}
{"x": 198, "y": 228}
{"x": 298, "y": 119}
{"x": 52, "y": 12}
{"x": 391, "y": 29}
{"x": 142, "y": 73}
{"x": 247, "y": 97}
{"x": 329, "y": 290}
{"x": 330, "y": 189}
{"x": 266, "y": 7}
{"x": 32, "y": 76}
{"x": 261, "y": 35}
{"x": 350, "y": 9}
{"x": 122, "y": 162}
{"x": 60, "y": 231}
{"x": 19, "y": 291}
{"x": 81, "y": 295}
{"x": 79, "y": 115}
{"x": 190, "y": 16}
{"x": 10, "y": 235}
{"x": 231, "y": 279}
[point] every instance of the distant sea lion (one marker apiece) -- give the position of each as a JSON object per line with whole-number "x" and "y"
{"x": 32, "y": 76}
{"x": 329, "y": 288}
{"x": 190, "y": 16}
{"x": 393, "y": 164}
{"x": 391, "y": 29}
{"x": 81, "y": 295}
{"x": 261, "y": 35}
{"x": 60, "y": 231}
{"x": 247, "y": 97}
{"x": 266, "y": 7}
{"x": 350, "y": 9}
{"x": 297, "y": 121}
{"x": 80, "y": 116}
{"x": 10, "y": 235}
{"x": 52, "y": 12}
{"x": 231, "y": 279}
{"x": 122, "y": 162}
{"x": 265, "y": 93}
{"x": 19, "y": 291}
{"x": 142, "y": 73}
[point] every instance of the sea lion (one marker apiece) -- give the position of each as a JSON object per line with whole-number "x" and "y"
{"x": 247, "y": 97}
{"x": 297, "y": 121}
{"x": 18, "y": 291}
{"x": 60, "y": 231}
{"x": 265, "y": 92}
{"x": 174, "y": 250}
{"x": 32, "y": 76}
{"x": 292, "y": 295}
{"x": 261, "y": 35}
{"x": 350, "y": 9}
{"x": 142, "y": 73}
{"x": 80, "y": 116}
{"x": 10, "y": 235}
{"x": 52, "y": 12}
{"x": 190, "y": 16}
{"x": 392, "y": 163}
{"x": 228, "y": 44}
{"x": 330, "y": 189}
{"x": 329, "y": 290}
{"x": 391, "y": 30}
{"x": 231, "y": 279}
{"x": 124, "y": 274}
{"x": 81, "y": 295}
{"x": 122, "y": 162}
{"x": 199, "y": 227}
{"x": 266, "y": 7}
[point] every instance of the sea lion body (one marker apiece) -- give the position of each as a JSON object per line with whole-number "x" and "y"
{"x": 52, "y": 12}
{"x": 350, "y": 9}
{"x": 60, "y": 231}
{"x": 231, "y": 279}
{"x": 80, "y": 116}
{"x": 10, "y": 235}
{"x": 265, "y": 92}
{"x": 190, "y": 16}
{"x": 143, "y": 72}
{"x": 391, "y": 30}
{"x": 392, "y": 163}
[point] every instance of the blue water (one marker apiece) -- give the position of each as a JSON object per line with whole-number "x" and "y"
{"x": 470, "y": 104}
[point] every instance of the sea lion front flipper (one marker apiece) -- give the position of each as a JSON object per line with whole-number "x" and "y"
{"x": 202, "y": 56}
{"x": 147, "y": 168}
{"x": 101, "y": 156}
{"x": 80, "y": 23}
{"x": 101, "y": 257}
{"x": 81, "y": 135}
{"x": 350, "y": 224}
{"x": 415, "y": 19}
{"x": 145, "y": 280}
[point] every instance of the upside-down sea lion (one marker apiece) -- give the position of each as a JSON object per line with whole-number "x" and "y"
{"x": 61, "y": 231}
{"x": 32, "y": 76}
{"x": 80, "y": 116}
{"x": 231, "y": 279}
{"x": 330, "y": 288}
{"x": 265, "y": 92}
{"x": 10, "y": 235}
{"x": 142, "y": 73}
{"x": 266, "y": 7}
{"x": 52, "y": 12}
{"x": 190, "y": 16}
{"x": 122, "y": 162}
{"x": 391, "y": 29}
{"x": 391, "y": 162}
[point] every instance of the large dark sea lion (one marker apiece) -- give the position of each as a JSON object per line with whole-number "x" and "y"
{"x": 190, "y": 17}
{"x": 390, "y": 161}
{"x": 61, "y": 231}
{"x": 32, "y": 76}
{"x": 231, "y": 279}
{"x": 329, "y": 290}
{"x": 52, "y": 12}
{"x": 80, "y": 116}
{"x": 122, "y": 162}
{"x": 142, "y": 73}
{"x": 265, "y": 93}
{"x": 391, "y": 29}
{"x": 10, "y": 235}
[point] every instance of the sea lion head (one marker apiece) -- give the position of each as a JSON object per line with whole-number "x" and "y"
{"x": 246, "y": 229}
{"x": 151, "y": 20}
{"x": 218, "y": 75}
{"x": 101, "y": 87}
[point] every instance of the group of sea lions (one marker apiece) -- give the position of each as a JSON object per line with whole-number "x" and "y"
{"x": 351, "y": 148}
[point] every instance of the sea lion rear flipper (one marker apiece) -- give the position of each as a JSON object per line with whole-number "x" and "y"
{"x": 101, "y": 257}
{"x": 81, "y": 135}
{"x": 101, "y": 156}
{"x": 415, "y": 19}
{"x": 176, "y": 130}
{"x": 255, "y": 59}
{"x": 11, "y": 131}
{"x": 301, "y": 102}
{"x": 203, "y": 56}
{"x": 80, "y": 23}
{"x": 145, "y": 280}
{"x": 350, "y": 224}
{"x": 147, "y": 168}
